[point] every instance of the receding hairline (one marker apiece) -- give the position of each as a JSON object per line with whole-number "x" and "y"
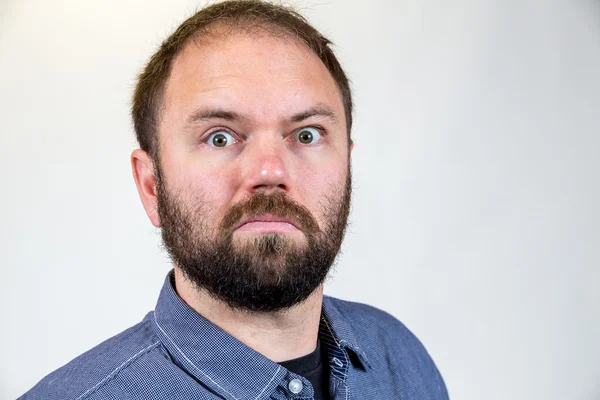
{"x": 248, "y": 24}
{"x": 255, "y": 28}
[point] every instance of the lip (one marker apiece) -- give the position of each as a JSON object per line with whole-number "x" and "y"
{"x": 267, "y": 223}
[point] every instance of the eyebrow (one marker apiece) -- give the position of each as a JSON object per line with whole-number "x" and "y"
{"x": 207, "y": 114}
{"x": 316, "y": 111}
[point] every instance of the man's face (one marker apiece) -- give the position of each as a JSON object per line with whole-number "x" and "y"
{"x": 254, "y": 180}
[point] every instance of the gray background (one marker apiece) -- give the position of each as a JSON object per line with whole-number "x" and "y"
{"x": 475, "y": 216}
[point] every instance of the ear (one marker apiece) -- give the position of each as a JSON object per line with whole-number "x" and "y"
{"x": 351, "y": 145}
{"x": 143, "y": 174}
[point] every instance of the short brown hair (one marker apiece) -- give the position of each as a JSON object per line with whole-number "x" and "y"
{"x": 236, "y": 14}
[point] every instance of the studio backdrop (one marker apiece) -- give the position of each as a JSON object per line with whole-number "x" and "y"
{"x": 476, "y": 165}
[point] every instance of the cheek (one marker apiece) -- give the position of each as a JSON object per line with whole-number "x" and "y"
{"x": 323, "y": 181}
{"x": 214, "y": 187}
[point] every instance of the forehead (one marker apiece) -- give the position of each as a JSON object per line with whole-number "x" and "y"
{"x": 262, "y": 76}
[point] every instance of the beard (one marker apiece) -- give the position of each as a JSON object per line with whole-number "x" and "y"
{"x": 264, "y": 272}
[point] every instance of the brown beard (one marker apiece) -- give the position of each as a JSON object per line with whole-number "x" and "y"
{"x": 266, "y": 273}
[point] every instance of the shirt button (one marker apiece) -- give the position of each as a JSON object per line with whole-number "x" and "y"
{"x": 295, "y": 386}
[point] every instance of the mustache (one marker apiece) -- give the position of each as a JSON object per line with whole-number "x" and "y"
{"x": 278, "y": 204}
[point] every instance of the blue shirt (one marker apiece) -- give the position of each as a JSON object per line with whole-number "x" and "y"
{"x": 175, "y": 353}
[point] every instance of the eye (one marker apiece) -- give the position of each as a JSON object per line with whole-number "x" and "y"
{"x": 220, "y": 139}
{"x": 308, "y": 135}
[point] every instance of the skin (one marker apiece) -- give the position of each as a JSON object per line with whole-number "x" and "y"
{"x": 266, "y": 81}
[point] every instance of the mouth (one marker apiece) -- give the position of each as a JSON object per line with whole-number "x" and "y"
{"x": 267, "y": 223}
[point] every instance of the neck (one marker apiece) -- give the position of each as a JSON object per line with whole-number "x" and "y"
{"x": 279, "y": 336}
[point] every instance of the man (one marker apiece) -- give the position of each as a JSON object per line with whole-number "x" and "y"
{"x": 243, "y": 117}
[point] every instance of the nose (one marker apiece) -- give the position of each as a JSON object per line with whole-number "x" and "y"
{"x": 264, "y": 166}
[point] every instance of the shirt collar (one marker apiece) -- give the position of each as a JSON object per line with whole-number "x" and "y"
{"x": 226, "y": 365}
{"x": 336, "y": 330}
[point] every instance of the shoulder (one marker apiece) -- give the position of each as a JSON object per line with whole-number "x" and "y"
{"x": 79, "y": 378}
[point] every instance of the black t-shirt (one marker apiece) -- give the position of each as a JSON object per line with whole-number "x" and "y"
{"x": 315, "y": 368}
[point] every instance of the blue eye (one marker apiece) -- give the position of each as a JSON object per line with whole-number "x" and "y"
{"x": 308, "y": 135}
{"x": 220, "y": 139}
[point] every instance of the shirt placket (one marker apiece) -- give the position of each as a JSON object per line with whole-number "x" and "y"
{"x": 292, "y": 387}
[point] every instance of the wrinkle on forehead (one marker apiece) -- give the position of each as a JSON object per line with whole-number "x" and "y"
{"x": 300, "y": 53}
{"x": 270, "y": 61}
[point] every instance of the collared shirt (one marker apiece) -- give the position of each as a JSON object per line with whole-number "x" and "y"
{"x": 175, "y": 353}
